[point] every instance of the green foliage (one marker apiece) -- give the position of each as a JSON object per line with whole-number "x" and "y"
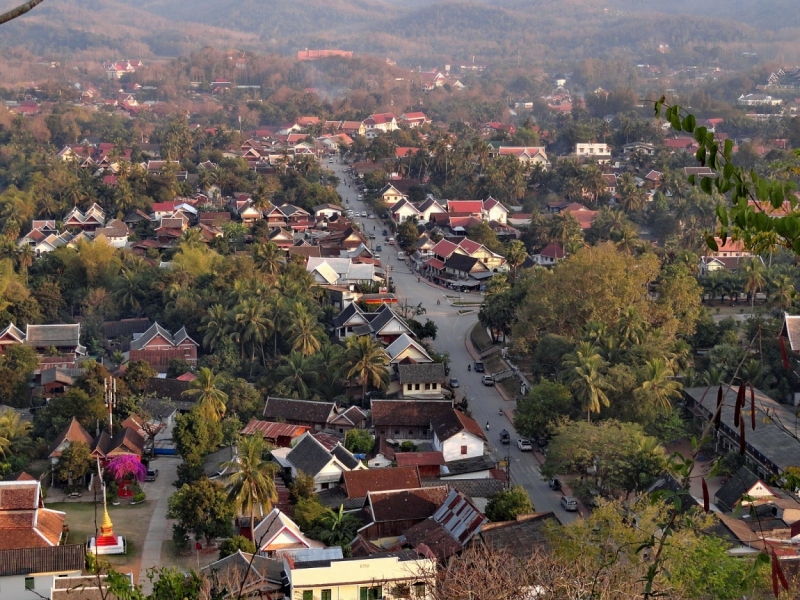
{"x": 234, "y": 544}
{"x": 508, "y": 504}
{"x": 196, "y": 435}
{"x": 50, "y": 420}
{"x": 16, "y": 369}
{"x": 546, "y": 406}
{"x": 137, "y": 373}
{"x": 302, "y": 486}
{"x": 308, "y": 512}
{"x": 625, "y": 459}
{"x": 170, "y": 583}
{"x": 408, "y": 446}
{"x": 407, "y": 234}
{"x": 359, "y": 441}
{"x": 202, "y": 508}
{"x": 75, "y": 462}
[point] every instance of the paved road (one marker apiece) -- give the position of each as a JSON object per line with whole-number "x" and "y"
{"x": 159, "y": 529}
{"x": 485, "y": 402}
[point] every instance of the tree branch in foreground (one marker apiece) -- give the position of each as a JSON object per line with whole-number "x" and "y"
{"x": 19, "y": 11}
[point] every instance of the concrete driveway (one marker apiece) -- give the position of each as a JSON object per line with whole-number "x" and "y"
{"x": 485, "y": 402}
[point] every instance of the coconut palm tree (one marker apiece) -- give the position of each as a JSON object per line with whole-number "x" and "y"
{"x": 13, "y": 432}
{"x": 660, "y": 384}
{"x": 216, "y": 324}
{"x": 209, "y": 397}
{"x": 631, "y": 195}
{"x": 268, "y": 258}
{"x": 251, "y": 484}
{"x": 25, "y": 256}
{"x": 497, "y": 284}
{"x": 630, "y": 327}
{"x": 754, "y": 280}
{"x": 367, "y": 360}
{"x": 338, "y": 527}
{"x": 251, "y": 326}
{"x": 297, "y": 372}
{"x": 583, "y": 375}
{"x": 516, "y": 253}
{"x": 127, "y": 290}
{"x": 782, "y": 293}
{"x": 305, "y": 331}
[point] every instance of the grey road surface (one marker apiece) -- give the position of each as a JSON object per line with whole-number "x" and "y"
{"x": 485, "y": 402}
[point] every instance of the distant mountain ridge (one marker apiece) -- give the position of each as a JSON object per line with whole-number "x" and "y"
{"x": 417, "y": 31}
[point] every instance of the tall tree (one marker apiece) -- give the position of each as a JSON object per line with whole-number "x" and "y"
{"x": 367, "y": 360}
{"x": 582, "y": 373}
{"x": 251, "y": 485}
{"x": 210, "y": 399}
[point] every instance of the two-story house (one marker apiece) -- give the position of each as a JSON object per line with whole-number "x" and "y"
{"x": 390, "y": 195}
{"x": 158, "y": 347}
{"x": 421, "y": 380}
{"x": 307, "y": 413}
{"x": 600, "y": 153}
{"x": 407, "y": 419}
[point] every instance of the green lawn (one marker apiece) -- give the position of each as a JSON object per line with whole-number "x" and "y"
{"x": 131, "y": 522}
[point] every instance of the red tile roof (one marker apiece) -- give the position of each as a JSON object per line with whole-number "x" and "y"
{"x": 358, "y": 483}
{"x": 419, "y": 459}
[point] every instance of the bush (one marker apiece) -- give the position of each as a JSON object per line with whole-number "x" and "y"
{"x": 408, "y": 446}
{"x": 180, "y": 537}
{"x": 234, "y": 544}
{"x": 139, "y": 497}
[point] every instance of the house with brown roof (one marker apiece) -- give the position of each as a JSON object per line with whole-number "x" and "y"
{"x": 421, "y": 380}
{"x": 127, "y": 441}
{"x": 357, "y": 484}
{"x": 427, "y": 463}
{"x": 457, "y": 436}
{"x": 64, "y": 338}
{"x": 73, "y": 432}
{"x": 280, "y": 435}
{"x": 24, "y": 521}
{"x": 115, "y": 232}
{"x": 518, "y": 537}
{"x": 394, "y": 512}
{"x": 158, "y": 347}
{"x": 277, "y": 534}
{"x": 383, "y": 454}
{"x": 33, "y": 572}
{"x": 407, "y": 419}
{"x": 307, "y": 413}
{"x": 311, "y": 457}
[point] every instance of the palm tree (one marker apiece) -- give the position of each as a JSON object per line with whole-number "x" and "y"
{"x": 297, "y": 372}
{"x": 251, "y": 326}
{"x": 209, "y": 397}
{"x": 630, "y": 194}
{"x": 13, "y": 431}
{"x": 251, "y": 485}
{"x": 127, "y": 289}
{"x": 25, "y": 256}
{"x": 192, "y": 238}
{"x": 268, "y": 258}
{"x": 754, "y": 280}
{"x": 782, "y": 294}
{"x": 630, "y": 327}
{"x": 304, "y": 330}
{"x": 366, "y": 360}
{"x": 582, "y": 375}
{"x": 660, "y": 383}
{"x": 516, "y": 253}
{"x": 216, "y": 324}
{"x": 338, "y": 527}
{"x": 498, "y": 284}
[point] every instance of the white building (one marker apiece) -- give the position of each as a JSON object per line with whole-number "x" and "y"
{"x": 598, "y": 152}
{"x": 457, "y": 436}
{"x": 397, "y": 575}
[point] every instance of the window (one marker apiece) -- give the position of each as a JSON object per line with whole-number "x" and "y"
{"x": 308, "y": 595}
{"x": 427, "y": 386}
{"x": 419, "y": 590}
{"x": 397, "y": 432}
{"x": 409, "y": 387}
{"x": 416, "y": 386}
{"x": 425, "y": 432}
{"x": 463, "y": 449}
{"x": 325, "y": 486}
{"x": 410, "y": 433}
{"x": 370, "y": 593}
{"x": 326, "y": 595}
{"x": 29, "y": 583}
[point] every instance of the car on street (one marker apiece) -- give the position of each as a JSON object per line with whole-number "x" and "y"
{"x": 390, "y": 241}
{"x": 378, "y": 248}
{"x": 372, "y": 236}
{"x": 524, "y": 445}
{"x": 151, "y": 475}
{"x": 505, "y": 437}
{"x": 487, "y": 380}
{"x": 363, "y": 215}
{"x": 371, "y": 216}
{"x": 479, "y": 368}
{"x": 569, "y": 504}
{"x": 554, "y": 483}
{"x": 385, "y": 233}
{"x": 454, "y": 383}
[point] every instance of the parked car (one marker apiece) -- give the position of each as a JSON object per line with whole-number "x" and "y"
{"x": 385, "y": 232}
{"x": 505, "y": 438}
{"x": 479, "y": 368}
{"x": 378, "y": 248}
{"x": 390, "y": 241}
{"x": 569, "y": 504}
{"x": 554, "y": 483}
{"x": 372, "y": 236}
{"x": 151, "y": 475}
{"x": 371, "y": 216}
{"x": 487, "y": 380}
{"x": 454, "y": 383}
{"x": 363, "y": 214}
{"x": 524, "y": 445}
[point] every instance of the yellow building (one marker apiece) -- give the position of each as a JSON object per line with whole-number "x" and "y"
{"x": 383, "y": 576}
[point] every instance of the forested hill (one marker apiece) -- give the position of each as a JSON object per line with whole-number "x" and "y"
{"x": 415, "y": 32}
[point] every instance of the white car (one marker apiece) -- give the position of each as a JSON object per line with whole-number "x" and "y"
{"x": 525, "y": 445}
{"x": 364, "y": 215}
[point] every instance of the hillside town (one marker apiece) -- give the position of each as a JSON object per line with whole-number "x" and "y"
{"x": 288, "y": 347}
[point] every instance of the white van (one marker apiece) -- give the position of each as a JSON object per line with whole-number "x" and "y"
{"x": 401, "y": 256}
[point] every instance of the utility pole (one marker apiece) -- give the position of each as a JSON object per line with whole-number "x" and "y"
{"x": 110, "y": 395}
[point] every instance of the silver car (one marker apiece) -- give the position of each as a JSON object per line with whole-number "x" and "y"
{"x": 569, "y": 504}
